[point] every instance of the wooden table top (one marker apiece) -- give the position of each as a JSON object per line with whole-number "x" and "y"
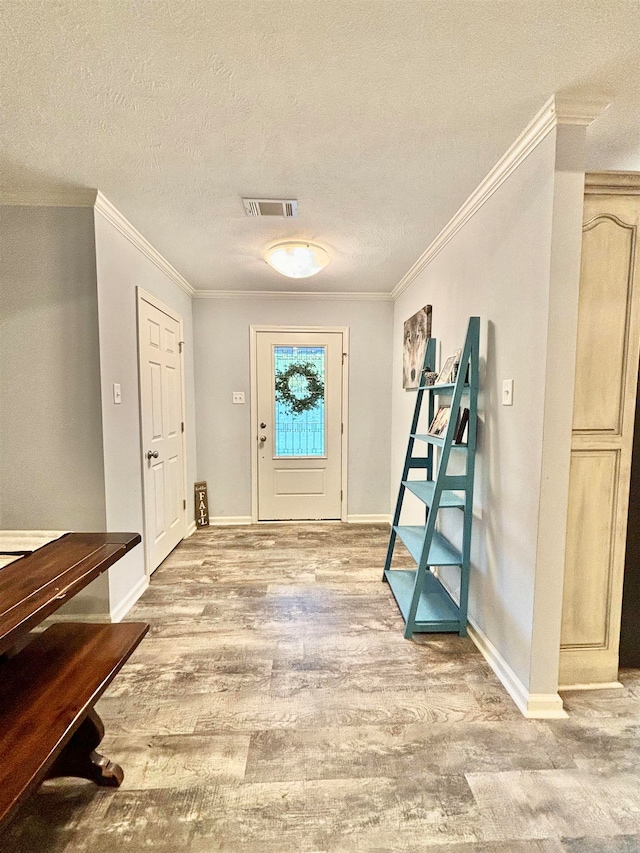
{"x": 37, "y": 584}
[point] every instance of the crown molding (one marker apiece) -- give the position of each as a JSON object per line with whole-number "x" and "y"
{"x": 318, "y": 295}
{"x": 575, "y": 111}
{"x": 555, "y": 112}
{"x": 122, "y": 224}
{"x": 81, "y": 197}
{"x": 72, "y": 197}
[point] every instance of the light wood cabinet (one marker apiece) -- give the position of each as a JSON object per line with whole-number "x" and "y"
{"x": 608, "y": 347}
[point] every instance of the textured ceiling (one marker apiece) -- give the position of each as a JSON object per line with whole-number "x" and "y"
{"x": 379, "y": 117}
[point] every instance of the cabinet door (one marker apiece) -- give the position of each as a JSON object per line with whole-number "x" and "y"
{"x": 603, "y": 419}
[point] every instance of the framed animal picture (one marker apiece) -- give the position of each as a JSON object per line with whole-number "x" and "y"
{"x": 417, "y": 330}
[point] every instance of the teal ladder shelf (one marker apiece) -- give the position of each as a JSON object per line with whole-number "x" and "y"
{"x": 424, "y": 603}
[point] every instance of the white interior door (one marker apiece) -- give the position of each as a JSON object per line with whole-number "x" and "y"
{"x": 161, "y": 416}
{"x": 298, "y": 424}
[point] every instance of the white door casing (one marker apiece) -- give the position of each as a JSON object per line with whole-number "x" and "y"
{"x": 298, "y": 487}
{"x": 162, "y": 428}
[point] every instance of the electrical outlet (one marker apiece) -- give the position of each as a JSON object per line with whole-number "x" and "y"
{"x": 238, "y": 397}
{"x": 507, "y": 392}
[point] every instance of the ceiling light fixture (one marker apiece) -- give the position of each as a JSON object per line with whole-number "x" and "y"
{"x": 296, "y": 259}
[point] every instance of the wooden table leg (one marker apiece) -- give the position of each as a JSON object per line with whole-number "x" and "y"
{"x": 79, "y": 757}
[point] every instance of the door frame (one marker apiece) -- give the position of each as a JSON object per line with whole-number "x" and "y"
{"x": 344, "y": 331}
{"x": 144, "y": 296}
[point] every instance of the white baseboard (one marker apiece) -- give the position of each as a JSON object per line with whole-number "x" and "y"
{"x": 73, "y": 617}
{"x": 120, "y": 611}
{"x": 368, "y": 519}
{"x": 608, "y": 685}
{"x": 221, "y": 520}
{"x": 298, "y": 521}
{"x": 534, "y": 706}
{"x": 191, "y": 529}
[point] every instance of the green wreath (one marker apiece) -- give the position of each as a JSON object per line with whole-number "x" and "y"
{"x": 286, "y": 387}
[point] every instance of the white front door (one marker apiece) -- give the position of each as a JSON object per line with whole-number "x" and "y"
{"x": 298, "y": 424}
{"x": 161, "y": 416}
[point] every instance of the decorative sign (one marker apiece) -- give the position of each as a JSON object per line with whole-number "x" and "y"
{"x": 202, "y": 505}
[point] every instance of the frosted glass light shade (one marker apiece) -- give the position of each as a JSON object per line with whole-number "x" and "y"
{"x": 297, "y": 259}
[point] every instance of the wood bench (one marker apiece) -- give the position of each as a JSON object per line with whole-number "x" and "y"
{"x": 48, "y": 688}
{"x": 47, "y": 692}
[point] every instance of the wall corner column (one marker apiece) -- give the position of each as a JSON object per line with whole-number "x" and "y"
{"x": 559, "y": 370}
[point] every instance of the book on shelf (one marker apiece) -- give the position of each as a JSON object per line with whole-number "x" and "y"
{"x": 461, "y": 427}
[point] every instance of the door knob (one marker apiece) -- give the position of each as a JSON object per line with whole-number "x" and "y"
{"x": 152, "y": 454}
{"x": 262, "y": 438}
{"x": 263, "y": 426}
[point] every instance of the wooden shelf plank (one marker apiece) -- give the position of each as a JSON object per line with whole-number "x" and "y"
{"x": 436, "y": 611}
{"x": 34, "y": 586}
{"x": 445, "y": 387}
{"x": 45, "y": 693}
{"x": 439, "y": 442}
{"x": 441, "y": 553}
{"x": 424, "y": 489}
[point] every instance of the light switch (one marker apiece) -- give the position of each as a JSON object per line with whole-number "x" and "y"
{"x": 507, "y": 392}
{"x": 238, "y": 396}
{"x": 117, "y": 393}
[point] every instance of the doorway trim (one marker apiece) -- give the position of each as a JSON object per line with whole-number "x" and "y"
{"x": 144, "y": 296}
{"x": 344, "y": 331}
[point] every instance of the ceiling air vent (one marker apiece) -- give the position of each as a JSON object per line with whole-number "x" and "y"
{"x": 287, "y": 207}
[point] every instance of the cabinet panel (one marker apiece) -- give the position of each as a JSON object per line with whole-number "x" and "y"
{"x": 588, "y": 573}
{"x": 603, "y": 319}
{"x": 608, "y": 347}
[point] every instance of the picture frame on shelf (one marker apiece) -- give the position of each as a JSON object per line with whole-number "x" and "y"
{"x": 439, "y": 423}
{"x": 448, "y": 372}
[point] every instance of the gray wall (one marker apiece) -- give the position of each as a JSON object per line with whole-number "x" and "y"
{"x": 51, "y": 467}
{"x": 121, "y": 267}
{"x": 51, "y": 463}
{"x": 499, "y": 266}
{"x": 70, "y": 458}
{"x": 221, "y": 328}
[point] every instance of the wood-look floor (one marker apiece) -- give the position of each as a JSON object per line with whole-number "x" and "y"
{"x": 276, "y": 708}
